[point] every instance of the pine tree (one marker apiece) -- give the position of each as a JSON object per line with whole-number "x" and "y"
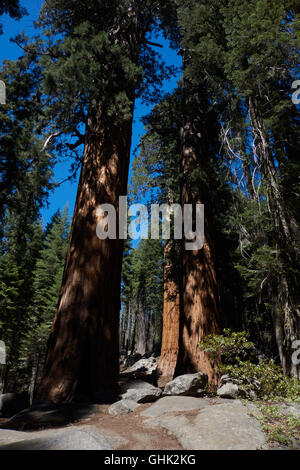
{"x": 11, "y": 283}
{"x": 47, "y": 278}
{"x": 26, "y": 172}
{"x": 142, "y": 295}
{"x": 24, "y": 166}
{"x": 16, "y": 293}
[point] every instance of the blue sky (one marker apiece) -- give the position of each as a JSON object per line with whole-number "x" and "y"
{"x": 66, "y": 193}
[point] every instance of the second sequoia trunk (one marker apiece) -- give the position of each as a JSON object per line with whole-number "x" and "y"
{"x": 83, "y": 349}
{"x": 200, "y": 299}
{"x": 171, "y": 318}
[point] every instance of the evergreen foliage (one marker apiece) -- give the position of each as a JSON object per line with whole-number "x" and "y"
{"x": 91, "y": 62}
{"x": 11, "y": 8}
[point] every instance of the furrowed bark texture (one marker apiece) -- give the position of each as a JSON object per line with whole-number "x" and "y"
{"x": 200, "y": 298}
{"x": 83, "y": 349}
{"x": 171, "y": 319}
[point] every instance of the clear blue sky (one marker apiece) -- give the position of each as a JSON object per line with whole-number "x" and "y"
{"x": 66, "y": 193}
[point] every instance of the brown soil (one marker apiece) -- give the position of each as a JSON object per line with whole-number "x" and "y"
{"x": 137, "y": 434}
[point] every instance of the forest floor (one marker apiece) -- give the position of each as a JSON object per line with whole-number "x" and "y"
{"x": 171, "y": 423}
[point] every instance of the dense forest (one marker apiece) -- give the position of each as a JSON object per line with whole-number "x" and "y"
{"x": 228, "y": 137}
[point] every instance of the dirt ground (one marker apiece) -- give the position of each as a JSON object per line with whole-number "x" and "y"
{"x": 132, "y": 428}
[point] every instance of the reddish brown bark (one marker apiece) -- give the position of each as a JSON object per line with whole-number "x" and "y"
{"x": 200, "y": 299}
{"x": 171, "y": 316}
{"x": 84, "y": 343}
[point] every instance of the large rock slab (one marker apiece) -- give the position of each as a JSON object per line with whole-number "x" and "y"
{"x": 225, "y": 426}
{"x": 187, "y": 385}
{"x": 71, "y": 438}
{"x": 12, "y": 403}
{"x": 175, "y": 404}
{"x": 140, "y": 391}
{"x": 123, "y": 407}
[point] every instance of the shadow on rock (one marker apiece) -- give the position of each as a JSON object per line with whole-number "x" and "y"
{"x": 47, "y": 414}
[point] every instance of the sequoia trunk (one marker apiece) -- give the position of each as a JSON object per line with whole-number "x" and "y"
{"x": 171, "y": 318}
{"x": 83, "y": 348}
{"x": 200, "y": 290}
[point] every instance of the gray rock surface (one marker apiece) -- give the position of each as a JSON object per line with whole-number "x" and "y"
{"x": 225, "y": 426}
{"x": 193, "y": 423}
{"x": 132, "y": 359}
{"x": 71, "y": 438}
{"x": 188, "y": 384}
{"x": 123, "y": 407}
{"x": 229, "y": 390}
{"x": 291, "y": 409}
{"x": 173, "y": 404}
{"x": 140, "y": 391}
{"x": 45, "y": 414}
{"x": 143, "y": 367}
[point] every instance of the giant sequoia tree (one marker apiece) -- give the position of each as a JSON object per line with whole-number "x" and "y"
{"x": 97, "y": 62}
{"x": 179, "y": 157}
{"x": 200, "y": 304}
{"x": 157, "y": 174}
{"x": 247, "y": 53}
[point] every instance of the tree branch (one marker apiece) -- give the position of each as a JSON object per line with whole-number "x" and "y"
{"x": 155, "y": 44}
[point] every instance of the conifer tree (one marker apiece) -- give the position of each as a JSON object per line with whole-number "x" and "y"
{"x": 247, "y": 54}
{"x": 26, "y": 171}
{"x": 157, "y": 173}
{"x": 47, "y": 277}
{"x": 97, "y": 62}
{"x": 11, "y": 8}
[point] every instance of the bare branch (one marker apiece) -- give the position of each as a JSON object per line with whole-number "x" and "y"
{"x": 51, "y": 137}
{"x": 155, "y": 44}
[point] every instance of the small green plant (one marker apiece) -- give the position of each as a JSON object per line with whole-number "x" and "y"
{"x": 234, "y": 355}
{"x": 279, "y": 428}
{"x": 230, "y": 347}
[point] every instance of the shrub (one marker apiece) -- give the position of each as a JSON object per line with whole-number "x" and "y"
{"x": 231, "y": 347}
{"x": 264, "y": 380}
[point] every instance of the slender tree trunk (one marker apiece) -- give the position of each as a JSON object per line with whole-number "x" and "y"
{"x": 34, "y": 376}
{"x": 140, "y": 344}
{"x": 133, "y": 332}
{"x": 122, "y": 328}
{"x": 5, "y": 382}
{"x": 150, "y": 334}
{"x": 128, "y": 329}
{"x": 171, "y": 319}
{"x": 83, "y": 349}
{"x": 286, "y": 316}
{"x": 246, "y": 167}
{"x": 200, "y": 298}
